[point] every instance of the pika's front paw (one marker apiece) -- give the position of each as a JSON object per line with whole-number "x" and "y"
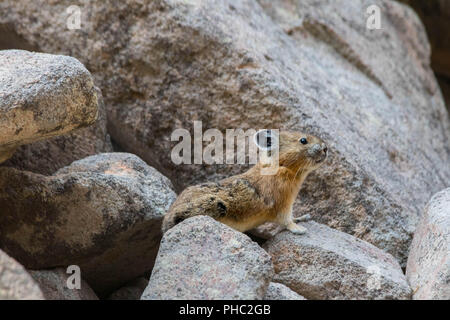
{"x": 303, "y": 218}
{"x": 296, "y": 229}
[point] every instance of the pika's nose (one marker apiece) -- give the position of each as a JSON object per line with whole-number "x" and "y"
{"x": 315, "y": 149}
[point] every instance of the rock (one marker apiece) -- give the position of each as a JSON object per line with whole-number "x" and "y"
{"x": 42, "y": 96}
{"x": 373, "y": 165}
{"x": 53, "y": 284}
{"x": 47, "y": 156}
{"x": 428, "y": 268}
{"x": 329, "y": 264}
{"x": 291, "y": 64}
{"x": 278, "y": 291}
{"x": 202, "y": 259}
{"x": 15, "y": 282}
{"x": 102, "y": 213}
{"x": 131, "y": 291}
{"x": 435, "y": 15}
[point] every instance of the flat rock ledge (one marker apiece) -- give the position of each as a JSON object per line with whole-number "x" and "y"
{"x": 41, "y": 96}
{"x": 329, "y": 264}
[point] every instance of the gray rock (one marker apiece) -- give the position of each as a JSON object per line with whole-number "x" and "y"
{"x": 53, "y": 284}
{"x": 329, "y": 264}
{"x": 202, "y": 259}
{"x": 299, "y": 64}
{"x": 47, "y": 156}
{"x": 131, "y": 291}
{"x": 102, "y": 213}
{"x": 436, "y": 18}
{"x": 15, "y": 282}
{"x": 42, "y": 96}
{"x": 428, "y": 268}
{"x": 278, "y": 291}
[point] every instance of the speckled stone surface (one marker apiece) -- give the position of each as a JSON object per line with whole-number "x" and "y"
{"x": 428, "y": 268}
{"x": 201, "y": 258}
{"x": 41, "y": 96}
{"x": 49, "y": 155}
{"x": 102, "y": 213}
{"x": 325, "y": 263}
{"x": 304, "y": 65}
{"x": 278, "y": 291}
{"x": 15, "y": 282}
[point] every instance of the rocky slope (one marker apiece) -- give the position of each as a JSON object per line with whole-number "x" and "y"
{"x": 254, "y": 64}
{"x": 139, "y": 69}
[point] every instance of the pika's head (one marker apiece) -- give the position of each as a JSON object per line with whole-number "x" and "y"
{"x": 295, "y": 150}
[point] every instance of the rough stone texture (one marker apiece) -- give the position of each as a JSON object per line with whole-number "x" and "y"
{"x": 436, "y": 18}
{"x": 308, "y": 65}
{"x": 15, "y": 282}
{"x": 428, "y": 268}
{"x": 102, "y": 213}
{"x": 48, "y": 156}
{"x": 42, "y": 96}
{"x": 53, "y": 284}
{"x": 131, "y": 291}
{"x": 278, "y": 291}
{"x": 202, "y": 259}
{"x": 329, "y": 264}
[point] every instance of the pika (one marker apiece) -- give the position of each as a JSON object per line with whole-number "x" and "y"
{"x": 252, "y": 198}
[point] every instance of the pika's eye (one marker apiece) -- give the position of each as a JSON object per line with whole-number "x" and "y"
{"x": 265, "y": 139}
{"x": 303, "y": 141}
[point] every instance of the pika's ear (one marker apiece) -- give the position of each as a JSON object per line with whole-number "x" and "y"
{"x": 266, "y": 139}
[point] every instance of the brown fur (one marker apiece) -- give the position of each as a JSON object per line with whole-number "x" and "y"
{"x": 247, "y": 200}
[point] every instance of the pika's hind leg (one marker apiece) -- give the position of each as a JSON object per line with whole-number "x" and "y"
{"x": 287, "y": 221}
